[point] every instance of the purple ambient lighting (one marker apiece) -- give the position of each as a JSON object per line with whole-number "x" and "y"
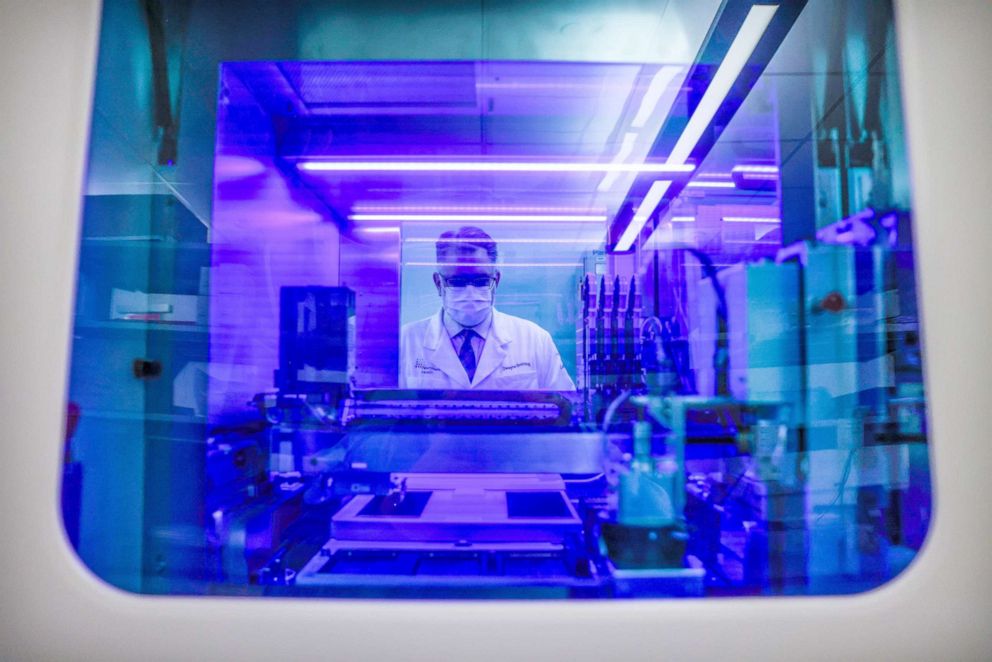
{"x": 228, "y": 166}
{"x": 480, "y": 218}
{"x": 489, "y": 166}
{"x": 683, "y": 219}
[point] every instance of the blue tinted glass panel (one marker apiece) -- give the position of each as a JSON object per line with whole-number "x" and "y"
{"x": 484, "y": 304}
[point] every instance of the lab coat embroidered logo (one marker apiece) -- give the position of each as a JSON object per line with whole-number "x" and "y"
{"x": 425, "y": 368}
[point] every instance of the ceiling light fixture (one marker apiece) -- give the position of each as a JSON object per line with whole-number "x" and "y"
{"x": 491, "y": 166}
{"x": 710, "y": 184}
{"x": 626, "y": 148}
{"x": 750, "y": 219}
{"x": 481, "y": 218}
{"x": 557, "y": 265}
{"x": 756, "y": 169}
{"x": 659, "y": 83}
{"x": 644, "y": 211}
{"x": 366, "y": 208}
{"x": 754, "y": 26}
{"x": 379, "y": 230}
{"x": 431, "y": 240}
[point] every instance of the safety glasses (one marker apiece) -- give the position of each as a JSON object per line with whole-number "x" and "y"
{"x": 460, "y": 282}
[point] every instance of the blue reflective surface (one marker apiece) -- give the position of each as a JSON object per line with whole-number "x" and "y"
{"x": 273, "y": 383}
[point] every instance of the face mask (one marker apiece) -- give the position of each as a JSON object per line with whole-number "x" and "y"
{"x": 468, "y": 306}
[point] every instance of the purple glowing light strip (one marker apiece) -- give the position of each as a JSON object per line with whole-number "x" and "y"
{"x": 705, "y": 184}
{"x": 489, "y": 166}
{"x": 481, "y": 218}
{"x": 557, "y": 265}
{"x": 516, "y": 240}
{"x": 750, "y": 219}
{"x": 379, "y": 230}
{"x": 471, "y": 209}
{"x": 756, "y": 169}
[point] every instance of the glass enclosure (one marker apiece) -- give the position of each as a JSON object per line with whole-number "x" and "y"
{"x": 580, "y": 300}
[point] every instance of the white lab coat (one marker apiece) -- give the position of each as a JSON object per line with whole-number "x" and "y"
{"x": 518, "y": 355}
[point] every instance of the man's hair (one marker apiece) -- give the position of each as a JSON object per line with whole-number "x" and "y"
{"x": 465, "y": 240}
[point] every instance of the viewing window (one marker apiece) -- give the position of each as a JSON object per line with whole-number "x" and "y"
{"x": 604, "y": 300}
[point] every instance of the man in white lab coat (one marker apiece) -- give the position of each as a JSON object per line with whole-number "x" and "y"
{"x": 468, "y": 344}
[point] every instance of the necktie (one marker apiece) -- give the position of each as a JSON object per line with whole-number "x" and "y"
{"x": 466, "y": 354}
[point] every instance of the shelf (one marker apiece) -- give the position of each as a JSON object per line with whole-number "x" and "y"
{"x": 145, "y": 242}
{"x": 110, "y": 415}
{"x": 138, "y": 325}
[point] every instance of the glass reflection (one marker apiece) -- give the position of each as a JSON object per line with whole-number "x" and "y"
{"x": 398, "y": 346}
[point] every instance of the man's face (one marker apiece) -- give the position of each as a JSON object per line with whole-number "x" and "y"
{"x": 465, "y": 265}
{"x": 466, "y": 281}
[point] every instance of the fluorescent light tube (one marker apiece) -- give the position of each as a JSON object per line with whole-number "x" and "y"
{"x": 366, "y": 208}
{"x": 756, "y": 169}
{"x": 710, "y": 184}
{"x": 755, "y": 24}
{"x": 659, "y": 83}
{"x": 489, "y": 166}
{"x": 759, "y": 176}
{"x": 482, "y": 218}
{"x": 569, "y": 265}
{"x": 644, "y": 211}
{"x": 568, "y": 242}
{"x": 626, "y": 148}
{"x": 750, "y": 219}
